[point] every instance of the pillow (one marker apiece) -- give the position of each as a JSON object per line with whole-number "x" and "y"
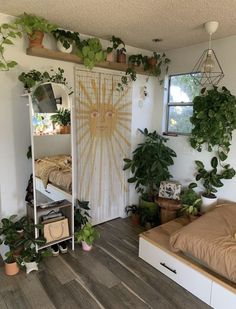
{"x": 170, "y": 190}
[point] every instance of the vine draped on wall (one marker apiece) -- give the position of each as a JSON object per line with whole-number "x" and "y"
{"x": 103, "y": 121}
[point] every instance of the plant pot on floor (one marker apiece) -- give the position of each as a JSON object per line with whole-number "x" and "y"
{"x": 11, "y": 269}
{"x": 30, "y": 266}
{"x": 135, "y": 219}
{"x": 36, "y": 39}
{"x": 208, "y": 203}
{"x": 85, "y": 246}
{"x": 62, "y": 49}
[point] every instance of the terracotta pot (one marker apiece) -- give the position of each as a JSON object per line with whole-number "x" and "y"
{"x": 11, "y": 269}
{"x": 110, "y": 57}
{"x": 64, "y": 129}
{"x": 135, "y": 219}
{"x": 86, "y": 247}
{"x": 36, "y": 39}
{"x": 152, "y": 62}
{"x": 121, "y": 57}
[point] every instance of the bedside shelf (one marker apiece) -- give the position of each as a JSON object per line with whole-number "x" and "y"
{"x": 57, "y": 55}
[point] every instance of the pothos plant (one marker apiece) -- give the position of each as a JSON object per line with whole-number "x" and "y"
{"x": 8, "y": 33}
{"x": 149, "y": 164}
{"x": 214, "y": 119}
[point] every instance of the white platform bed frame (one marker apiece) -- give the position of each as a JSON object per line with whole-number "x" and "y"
{"x": 197, "y": 279}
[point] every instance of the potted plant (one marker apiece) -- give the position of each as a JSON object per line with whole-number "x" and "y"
{"x": 11, "y": 265}
{"x": 65, "y": 40}
{"x": 116, "y": 42}
{"x": 136, "y": 60}
{"x": 191, "y": 202}
{"x": 81, "y": 214}
{"x": 91, "y": 52}
{"x": 134, "y": 210}
{"x": 87, "y": 235}
{"x": 212, "y": 180}
{"x": 149, "y": 166}
{"x": 8, "y": 32}
{"x": 30, "y": 79}
{"x": 213, "y": 119}
{"x": 62, "y": 119}
{"x": 35, "y": 27}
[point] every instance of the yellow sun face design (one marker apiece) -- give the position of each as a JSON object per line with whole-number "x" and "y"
{"x": 103, "y": 120}
{"x": 103, "y": 137}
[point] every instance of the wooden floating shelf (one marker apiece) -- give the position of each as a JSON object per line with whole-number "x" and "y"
{"x": 57, "y": 55}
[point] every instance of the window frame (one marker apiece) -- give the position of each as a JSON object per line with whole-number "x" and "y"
{"x": 170, "y": 104}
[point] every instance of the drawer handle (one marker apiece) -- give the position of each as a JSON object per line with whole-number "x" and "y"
{"x": 47, "y": 191}
{"x": 173, "y": 270}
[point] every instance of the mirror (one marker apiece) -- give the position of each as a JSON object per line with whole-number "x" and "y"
{"x": 51, "y": 150}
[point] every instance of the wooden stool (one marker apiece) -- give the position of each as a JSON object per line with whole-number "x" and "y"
{"x": 168, "y": 208}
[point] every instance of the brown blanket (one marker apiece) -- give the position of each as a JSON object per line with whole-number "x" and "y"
{"x": 211, "y": 239}
{"x": 54, "y": 169}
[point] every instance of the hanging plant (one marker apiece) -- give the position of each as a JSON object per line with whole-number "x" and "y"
{"x": 8, "y": 32}
{"x": 91, "y": 52}
{"x": 214, "y": 119}
{"x": 130, "y": 75}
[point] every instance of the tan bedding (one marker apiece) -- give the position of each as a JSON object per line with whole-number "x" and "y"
{"x": 56, "y": 170}
{"x": 211, "y": 239}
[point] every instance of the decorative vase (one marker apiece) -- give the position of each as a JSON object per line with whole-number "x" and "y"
{"x": 121, "y": 56}
{"x": 110, "y": 57}
{"x": 208, "y": 203}
{"x": 62, "y": 49}
{"x": 85, "y": 246}
{"x": 11, "y": 269}
{"x": 30, "y": 266}
{"x": 36, "y": 39}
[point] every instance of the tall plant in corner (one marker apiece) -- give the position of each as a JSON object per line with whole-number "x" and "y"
{"x": 8, "y": 32}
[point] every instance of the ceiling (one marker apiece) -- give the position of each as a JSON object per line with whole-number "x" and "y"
{"x": 178, "y": 22}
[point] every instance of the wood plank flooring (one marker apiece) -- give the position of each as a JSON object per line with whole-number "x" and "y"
{"x": 110, "y": 276}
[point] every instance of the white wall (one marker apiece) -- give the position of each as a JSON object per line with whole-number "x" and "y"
{"x": 15, "y": 168}
{"x": 183, "y": 60}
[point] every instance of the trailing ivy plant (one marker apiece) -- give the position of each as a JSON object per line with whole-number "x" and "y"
{"x": 66, "y": 37}
{"x": 214, "y": 119}
{"x": 8, "y": 32}
{"x": 149, "y": 165}
{"x": 212, "y": 178}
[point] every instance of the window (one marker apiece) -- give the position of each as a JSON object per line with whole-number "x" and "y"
{"x": 181, "y": 92}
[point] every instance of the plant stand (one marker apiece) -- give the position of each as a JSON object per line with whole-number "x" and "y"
{"x": 168, "y": 208}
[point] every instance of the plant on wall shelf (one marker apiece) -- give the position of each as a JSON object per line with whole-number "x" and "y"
{"x": 149, "y": 164}
{"x": 35, "y": 26}
{"x": 8, "y": 32}
{"x": 212, "y": 179}
{"x": 91, "y": 52}
{"x": 66, "y": 37}
{"x": 214, "y": 119}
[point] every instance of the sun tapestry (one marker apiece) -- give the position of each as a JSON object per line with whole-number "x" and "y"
{"x": 103, "y": 124}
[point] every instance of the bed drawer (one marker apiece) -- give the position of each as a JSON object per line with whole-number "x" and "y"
{"x": 222, "y": 298}
{"x": 178, "y": 271}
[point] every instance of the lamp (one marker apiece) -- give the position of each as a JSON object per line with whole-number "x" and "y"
{"x": 207, "y": 70}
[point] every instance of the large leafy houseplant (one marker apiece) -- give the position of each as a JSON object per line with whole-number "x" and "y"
{"x": 214, "y": 119}
{"x": 212, "y": 178}
{"x": 149, "y": 165}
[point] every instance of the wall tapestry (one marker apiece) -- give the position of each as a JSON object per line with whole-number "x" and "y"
{"x": 103, "y": 124}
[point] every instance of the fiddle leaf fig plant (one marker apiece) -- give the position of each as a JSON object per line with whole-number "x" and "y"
{"x": 8, "y": 33}
{"x": 212, "y": 178}
{"x": 214, "y": 119}
{"x": 149, "y": 164}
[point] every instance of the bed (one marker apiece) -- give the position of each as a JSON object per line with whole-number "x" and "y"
{"x": 200, "y": 255}
{"x": 55, "y": 170}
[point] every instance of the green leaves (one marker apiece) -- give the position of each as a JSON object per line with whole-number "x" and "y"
{"x": 88, "y": 234}
{"x": 214, "y": 162}
{"x": 149, "y": 164}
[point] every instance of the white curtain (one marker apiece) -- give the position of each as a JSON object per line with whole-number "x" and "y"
{"x": 103, "y": 124}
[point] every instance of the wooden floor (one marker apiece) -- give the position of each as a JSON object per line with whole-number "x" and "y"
{"x": 110, "y": 276}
